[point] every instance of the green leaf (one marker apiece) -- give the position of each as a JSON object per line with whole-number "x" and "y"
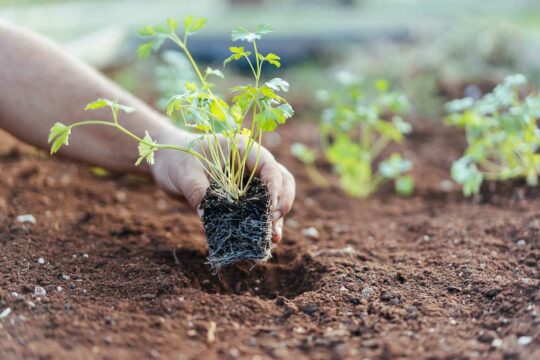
{"x": 404, "y": 185}
{"x": 219, "y": 108}
{"x": 278, "y": 84}
{"x": 286, "y": 110}
{"x": 273, "y": 59}
{"x": 147, "y": 31}
{"x": 192, "y": 24}
{"x": 382, "y": 85}
{"x": 236, "y": 113}
{"x": 214, "y": 72}
{"x": 99, "y": 171}
{"x": 199, "y": 24}
{"x": 303, "y": 153}
{"x": 146, "y": 150}
{"x": 466, "y": 173}
{"x": 145, "y": 50}
{"x": 59, "y": 136}
{"x": 188, "y": 21}
{"x": 98, "y": 104}
{"x": 263, "y": 29}
{"x": 237, "y": 54}
{"x": 114, "y": 105}
{"x": 243, "y": 34}
{"x": 173, "y": 24}
{"x": 394, "y": 166}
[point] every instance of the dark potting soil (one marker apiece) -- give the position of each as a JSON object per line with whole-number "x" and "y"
{"x": 238, "y": 230}
{"x": 125, "y": 271}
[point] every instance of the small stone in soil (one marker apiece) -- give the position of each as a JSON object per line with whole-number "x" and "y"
{"x": 310, "y": 309}
{"x": 368, "y": 292}
{"x": 27, "y": 218}
{"x": 64, "y": 277}
{"x": 41, "y": 261}
{"x": 521, "y": 242}
{"x": 524, "y": 340}
{"x": 5, "y": 313}
{"x": 497, "y": 343}
{"x": 39, "y": 291}
{"x": 311, "y": 232}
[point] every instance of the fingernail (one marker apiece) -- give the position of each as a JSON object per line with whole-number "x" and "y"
{"x": 277, "y": 215}
{"x": 200, "y": 212}
{"x": 279, "y": 228}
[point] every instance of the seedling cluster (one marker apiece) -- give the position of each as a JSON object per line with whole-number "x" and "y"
{"x": 227, "y": 137}
{"x": 502, "y": 135}
{"x": 356, "y": 130}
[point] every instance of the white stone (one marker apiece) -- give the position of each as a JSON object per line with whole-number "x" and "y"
{"x": 39, "y": 291}
{"x": 521, "y": 242}
{"x": 367, "y": 292}
{"x": 525, "y": 340}
{"x": 5, "y": 313}
{"x": 41, "y": 261}
{"x": 497, "y": 343}
{"x": 311, "y": 232}
{"x": 26, "y": 218}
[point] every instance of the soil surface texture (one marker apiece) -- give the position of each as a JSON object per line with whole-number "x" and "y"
{"x": 114, "y": 269}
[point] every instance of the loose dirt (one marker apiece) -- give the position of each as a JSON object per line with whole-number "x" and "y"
{"x": 124, "y": 268}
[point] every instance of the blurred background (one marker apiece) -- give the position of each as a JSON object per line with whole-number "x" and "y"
{"x": 433, "y": 50}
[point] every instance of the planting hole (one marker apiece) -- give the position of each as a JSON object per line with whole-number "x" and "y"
{"x": 266, "y": 281}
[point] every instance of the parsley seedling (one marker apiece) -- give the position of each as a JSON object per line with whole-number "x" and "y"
{"x": 356, "y": 130}
{"x": 206, "y": 112}
{"x": 502, "y": 135}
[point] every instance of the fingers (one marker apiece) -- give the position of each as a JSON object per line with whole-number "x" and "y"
{"x": 185, "y": 178}
{"x": 269, "y": 172}
{"x": 192, "y": 182}
{"x": 288, "y": 191}
{"x": 277, "y": 230}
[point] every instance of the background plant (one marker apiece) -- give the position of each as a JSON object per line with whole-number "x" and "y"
{"x": 502, "y": 135}
{"x": 204, "y": 111}
{"x": 357, "y": 129}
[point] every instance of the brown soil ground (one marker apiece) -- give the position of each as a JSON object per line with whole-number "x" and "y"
{"x": 434, "y": 276}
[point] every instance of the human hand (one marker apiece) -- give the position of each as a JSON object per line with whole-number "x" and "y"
{"x": 180, "y": 174}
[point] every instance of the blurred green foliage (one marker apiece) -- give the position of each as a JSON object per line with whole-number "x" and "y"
{"x": 503, "y": 136}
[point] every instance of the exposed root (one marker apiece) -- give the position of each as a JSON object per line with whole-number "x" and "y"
{"x": 238, "y": 231}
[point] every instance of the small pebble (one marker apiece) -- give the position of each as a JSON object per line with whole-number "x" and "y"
{"x": 343, "y": 289}
{"x": 521, "y": 242}
{"x": 497, "y": 343}
{"x": 311, "y": 232}
{"x": 367, "y": 292}
{"x": 41, "y": 261}
{"x": 446, "y": 185}
{"x": 64, "y": 277}
{"x": 39, "y": 291}
{"x": 5, "y": 313}
{"x": 15, "y": 294}
{"x": 58, "y": 288}
{"x": 27, "y": 218}
{"x": 525, "y": 340}
{"x": 85, "y": 256}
